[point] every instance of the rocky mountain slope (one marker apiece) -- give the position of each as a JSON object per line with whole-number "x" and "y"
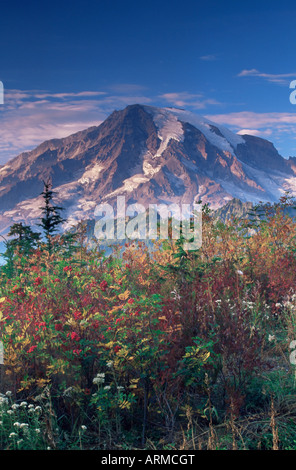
{"x": 150, "y": 155}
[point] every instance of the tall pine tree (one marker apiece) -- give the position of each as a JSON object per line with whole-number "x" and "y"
{"x": 51, "y": 218}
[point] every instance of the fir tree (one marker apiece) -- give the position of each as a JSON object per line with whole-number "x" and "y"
{"x": 25, "y": 239}
{"x": 51, "y": 219}
{"x": 23, "y": 245}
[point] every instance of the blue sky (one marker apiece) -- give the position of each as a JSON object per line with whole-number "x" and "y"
{"x": 67, "y": 65}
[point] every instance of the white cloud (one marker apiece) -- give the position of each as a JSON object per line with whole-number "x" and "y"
{"x": 209, "y": 57}
{"x": 255, "y": 132}
{"x": 280, "y": 79}
{"x": 249, "y": 119}
{"x": 69, "y": 95}
{"x": 184, "y": 99}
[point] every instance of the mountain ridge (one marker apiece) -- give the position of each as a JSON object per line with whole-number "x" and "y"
{"x": 149, "y": 155}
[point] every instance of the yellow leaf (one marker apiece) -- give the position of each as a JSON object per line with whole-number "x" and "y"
{"x": 114, "y": 309}
{"x": 41, "y": 382}
{"x": 125, "y": 295}
{"x": 9, "y": 330}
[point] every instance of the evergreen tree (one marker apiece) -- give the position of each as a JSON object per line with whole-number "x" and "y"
{"x": 51, "y": 218}
{"x": 26, "y": 240}
{"x": 72, "y": 242}
{"x": 23, "y": 244}
{"x": 9, "y": 257}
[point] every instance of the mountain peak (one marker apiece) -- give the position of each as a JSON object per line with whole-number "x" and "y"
{"x": 149, "y": 155}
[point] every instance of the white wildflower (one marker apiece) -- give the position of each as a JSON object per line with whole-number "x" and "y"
{"x": 176, "y": 296}
{"x": 67, "y": 392}
{"x": 98, "y": 380}
{"x": 3, "y": 401}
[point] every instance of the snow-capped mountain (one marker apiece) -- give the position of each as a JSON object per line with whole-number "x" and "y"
{"x": 150, "y": 155}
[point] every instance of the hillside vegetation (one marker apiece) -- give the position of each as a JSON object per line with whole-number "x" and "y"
{"x": 153, "y": 349}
